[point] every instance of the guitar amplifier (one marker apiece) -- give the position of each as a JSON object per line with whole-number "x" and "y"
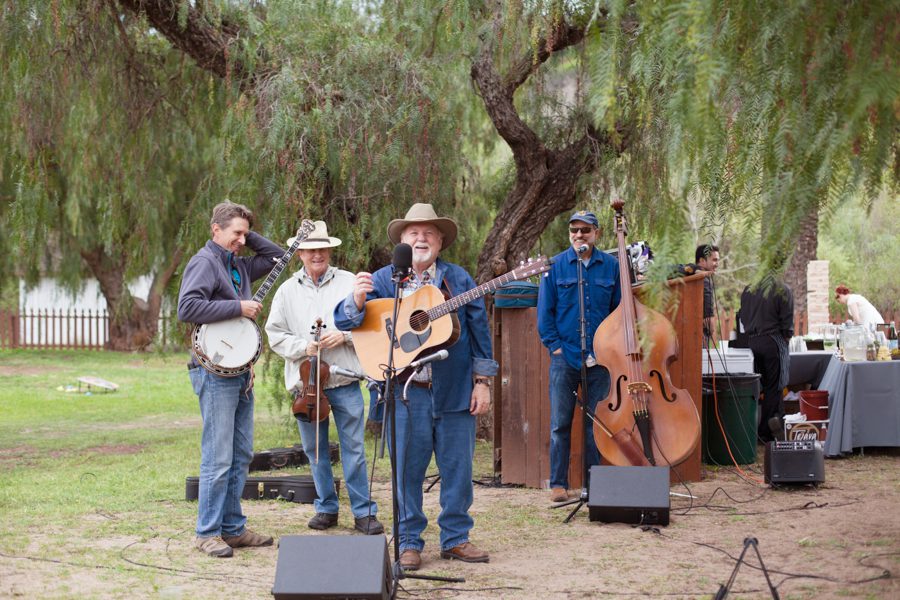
{"x": 794, "y": 462}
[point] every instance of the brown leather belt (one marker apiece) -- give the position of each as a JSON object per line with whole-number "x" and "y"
{"x": 421, "y": 384}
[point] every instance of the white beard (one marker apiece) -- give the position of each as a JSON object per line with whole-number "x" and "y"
{"x": 421, "y": 257}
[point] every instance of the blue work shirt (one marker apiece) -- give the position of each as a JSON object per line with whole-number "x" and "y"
{"x": 558, "y": 315}
{"x": 469, "y": 356}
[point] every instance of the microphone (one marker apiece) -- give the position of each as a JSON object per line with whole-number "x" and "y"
{"x": 345, "y": 372}
{"x": 441, "y": 355}
{"x": 581, "y": 249}
{"x": 402, "y": 260}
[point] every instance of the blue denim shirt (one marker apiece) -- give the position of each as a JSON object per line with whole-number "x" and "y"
{"x": 557, "y": 306}
{"x": 469, "y": 356}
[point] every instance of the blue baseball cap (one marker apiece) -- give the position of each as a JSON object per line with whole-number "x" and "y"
{"x": 585, "y": 216}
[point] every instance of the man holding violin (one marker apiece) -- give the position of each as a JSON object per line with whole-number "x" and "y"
{"x": 309, "y": 295}
{"x": 560, "y": 331}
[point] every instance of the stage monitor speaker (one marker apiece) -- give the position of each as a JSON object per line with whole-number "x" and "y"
{"x": 629, "y": 495}
{"x": 332, "y": 566}
{"x": 794, "y": 462}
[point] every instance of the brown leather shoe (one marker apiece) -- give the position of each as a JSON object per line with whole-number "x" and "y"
{"x": 466, "y": 552}
{"x": 410, "y": 559}
{"x": 558, "y": 494}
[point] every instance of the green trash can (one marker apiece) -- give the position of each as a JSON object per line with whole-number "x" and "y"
{"x": 736, "y": 396}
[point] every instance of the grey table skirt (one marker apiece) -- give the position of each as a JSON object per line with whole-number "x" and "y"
{"x": 864, "y": 405}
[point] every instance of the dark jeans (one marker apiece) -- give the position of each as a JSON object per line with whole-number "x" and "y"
{"x": 564, "y": 382}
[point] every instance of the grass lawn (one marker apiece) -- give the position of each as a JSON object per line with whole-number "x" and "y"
{"x": 76, "y": 465}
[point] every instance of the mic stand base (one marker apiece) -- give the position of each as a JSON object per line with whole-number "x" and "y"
{"x": 580, "y": 501}
{"x": 400, "y": 573}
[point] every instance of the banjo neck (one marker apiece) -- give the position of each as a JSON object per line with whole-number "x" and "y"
{"x": 282, "y": 262}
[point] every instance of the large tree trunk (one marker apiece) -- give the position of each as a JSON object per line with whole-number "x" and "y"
{"x": 546, "y": 178}
{"x": 805, "y": 251}
{"x": 133, "y": 322}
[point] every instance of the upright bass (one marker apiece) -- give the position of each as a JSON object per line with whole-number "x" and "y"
{"x": 641, "y": 393}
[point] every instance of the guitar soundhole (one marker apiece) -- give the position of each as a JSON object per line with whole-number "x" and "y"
{"x": 418, "y": 321}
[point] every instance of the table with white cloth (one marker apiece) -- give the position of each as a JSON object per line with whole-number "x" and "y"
{"x": 809, "y": 367}
{"x": 864, "y": 405}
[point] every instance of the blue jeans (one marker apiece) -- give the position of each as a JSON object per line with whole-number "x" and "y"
{"x": 348, "y": 409}
{"x": 450, "y": 437}
{"x": 226, "y": 450}
{"x": 564, "y": 382}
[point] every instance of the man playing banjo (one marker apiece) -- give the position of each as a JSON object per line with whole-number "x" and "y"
{"x": 216, "y": 287}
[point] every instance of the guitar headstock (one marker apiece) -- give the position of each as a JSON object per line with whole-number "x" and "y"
{"x": 532, "y": 266}
{"x": 306, "y": 228}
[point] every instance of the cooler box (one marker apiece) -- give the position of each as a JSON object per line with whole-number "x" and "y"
{"x": 728, "y": 360}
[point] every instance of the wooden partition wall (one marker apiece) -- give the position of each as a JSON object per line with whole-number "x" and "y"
{"x": 522, "y": 405}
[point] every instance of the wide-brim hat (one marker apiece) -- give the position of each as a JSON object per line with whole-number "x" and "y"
{"x": 318, "y": 238}
{"x": 422, "y": 212}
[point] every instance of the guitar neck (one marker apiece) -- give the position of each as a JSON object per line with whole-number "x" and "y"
{"x": 475, "y": 293}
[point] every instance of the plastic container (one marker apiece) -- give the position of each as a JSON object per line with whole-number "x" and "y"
{"x": 853, "y": 343}
{"x": 734, "y": 398}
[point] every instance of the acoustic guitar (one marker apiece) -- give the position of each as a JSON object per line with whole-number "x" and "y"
{"x": 425, "y": 322}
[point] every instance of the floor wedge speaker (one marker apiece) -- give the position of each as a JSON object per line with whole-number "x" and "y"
{"x": 332, "y": 566}
{"x": 794, "y": 462}
{"x": 629, "y": 495}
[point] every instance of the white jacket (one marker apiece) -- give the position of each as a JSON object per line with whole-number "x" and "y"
{"x": 296, "y": 306}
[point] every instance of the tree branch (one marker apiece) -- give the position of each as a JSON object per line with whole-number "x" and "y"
{"x": 201, "y": 40}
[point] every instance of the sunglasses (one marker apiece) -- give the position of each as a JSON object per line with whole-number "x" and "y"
{"x": 582, "y": 230}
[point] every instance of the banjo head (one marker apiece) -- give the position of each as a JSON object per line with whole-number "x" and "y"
{"x": 229, "y": 345}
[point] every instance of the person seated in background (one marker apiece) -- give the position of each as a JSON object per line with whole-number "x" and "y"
{"x": 861, "y": 310}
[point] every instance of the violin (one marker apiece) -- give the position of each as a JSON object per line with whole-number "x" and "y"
{"x": 310, "y": 404}
{"x": 642, "y": 397}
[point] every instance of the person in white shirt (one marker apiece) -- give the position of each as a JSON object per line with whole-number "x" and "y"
{"x": 861, "y": 310}
{"x": 311, "y": 294}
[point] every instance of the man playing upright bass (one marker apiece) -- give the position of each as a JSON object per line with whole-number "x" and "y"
{"x": 560, "y": 331}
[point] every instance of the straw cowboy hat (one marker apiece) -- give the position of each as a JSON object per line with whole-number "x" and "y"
{"x": 318, "y": 238}
{"x": 421, "y": 212}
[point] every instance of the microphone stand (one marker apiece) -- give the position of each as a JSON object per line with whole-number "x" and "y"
{"x": 582, "y": 403}
{"x": 390, "y": 407}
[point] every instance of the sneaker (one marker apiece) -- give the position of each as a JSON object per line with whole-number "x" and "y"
{"x": 214, "y": 546}
{"x": 369, "y": 525}
{"x": 247, "y": 539}
{"x": 323, "y": 521}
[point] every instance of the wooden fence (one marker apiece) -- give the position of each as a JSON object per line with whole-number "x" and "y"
{"x": 61, "y": 329}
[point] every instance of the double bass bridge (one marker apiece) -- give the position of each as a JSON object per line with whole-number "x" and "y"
{"x": 638, "y": 387}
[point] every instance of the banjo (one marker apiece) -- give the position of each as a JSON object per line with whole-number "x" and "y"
{"x": 230, "y": 348}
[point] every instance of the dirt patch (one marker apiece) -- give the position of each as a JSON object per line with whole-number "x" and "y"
{"x": 840, "y": 540}
{"x": 18, "y": 370}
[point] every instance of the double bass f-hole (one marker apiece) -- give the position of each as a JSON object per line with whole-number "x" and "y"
{"x": 662, "y": 387}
